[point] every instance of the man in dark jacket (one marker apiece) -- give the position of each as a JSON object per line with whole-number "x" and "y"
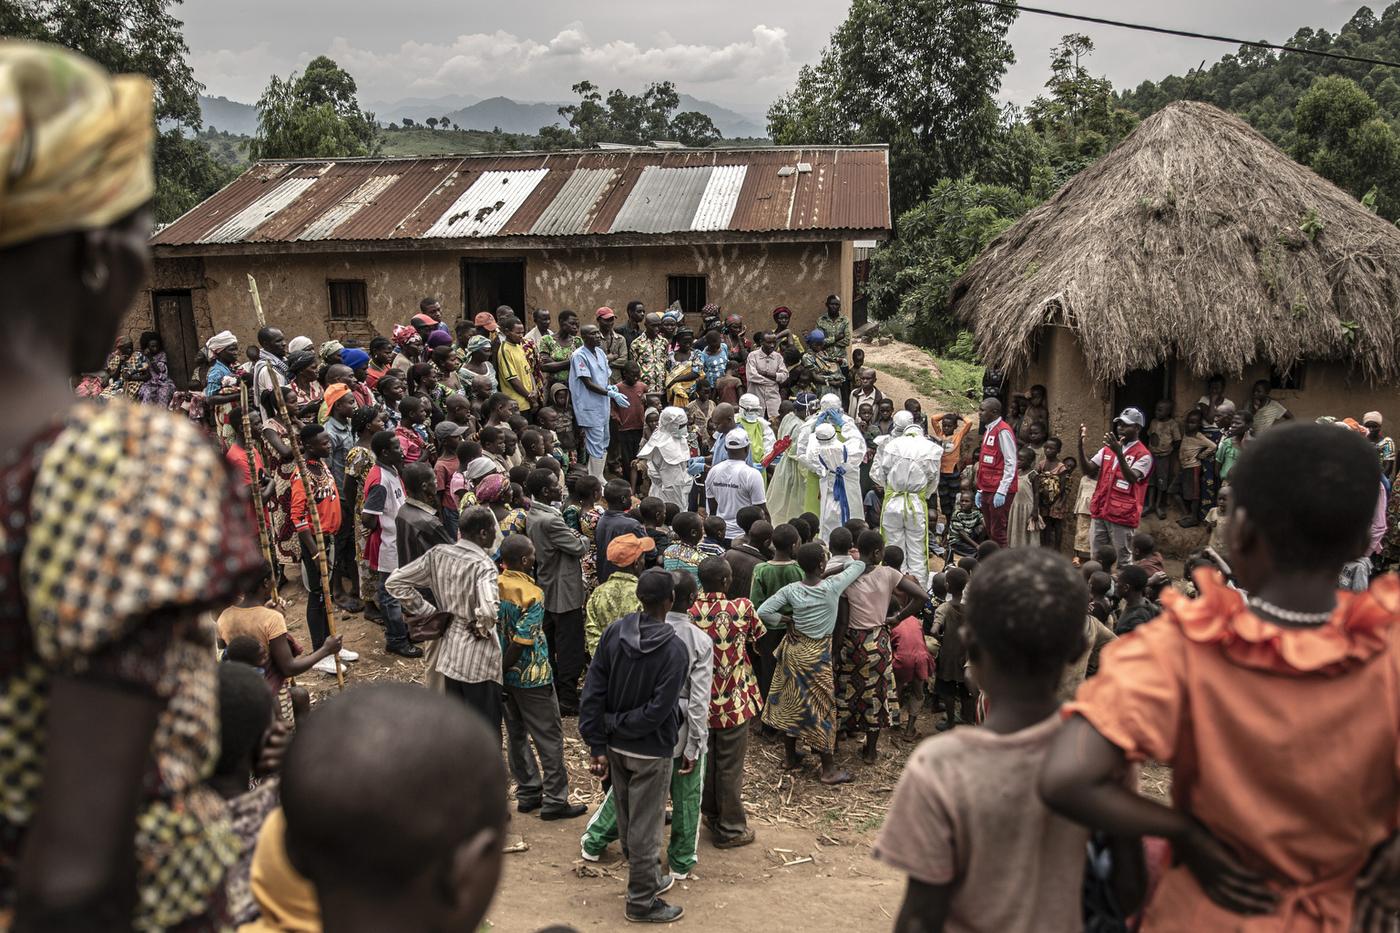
{"x": 558, "y": 552}
{"x": 614, "y": 523}
{"x": 630, "y": 717}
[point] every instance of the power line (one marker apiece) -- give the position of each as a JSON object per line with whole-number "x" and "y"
{"x": 1006, "y": 5}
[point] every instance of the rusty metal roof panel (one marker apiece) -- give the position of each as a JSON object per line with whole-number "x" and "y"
{"x": 663, "y": 201}
{"x": 572, "y": 209}
{"x": 721, "y": 193}
{"x": 484, "y": 207}
{"x": 553, "y": 194}
{"x": 240, "y": 225}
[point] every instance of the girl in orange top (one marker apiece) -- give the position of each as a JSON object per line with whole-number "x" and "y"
{"x": 1279, "y": 712}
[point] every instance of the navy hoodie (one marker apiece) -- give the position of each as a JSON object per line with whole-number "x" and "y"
{"x": 631, "y": 698}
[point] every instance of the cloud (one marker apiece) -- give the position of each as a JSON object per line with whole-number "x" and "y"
{"x": 240, "y": 74}
{"x": 501, "y": 61}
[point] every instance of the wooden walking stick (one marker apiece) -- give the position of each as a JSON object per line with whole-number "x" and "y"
{"x": 326, "y": 600}
{"x": 264, "y": 539}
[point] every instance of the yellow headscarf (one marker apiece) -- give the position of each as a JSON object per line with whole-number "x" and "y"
{"x": 75, "y": 143}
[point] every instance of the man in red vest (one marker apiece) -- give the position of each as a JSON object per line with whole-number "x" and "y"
{"x": 996, "y": 470}
{"x": 1122, "y": 468}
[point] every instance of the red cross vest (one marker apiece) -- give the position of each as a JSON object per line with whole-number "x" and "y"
{"x": 1117, "y": 498}
{"x": 991, "y": 462}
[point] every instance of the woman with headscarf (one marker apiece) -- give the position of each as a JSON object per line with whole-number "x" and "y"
{"x": 556, "y": 348}
{"x": 409, "y": 347}
{"x": 158, "y": 387}
{"x": 668, "y": 455}
{"x": 478, "y": 363}
{"x": 281, "y": 463}
{"x": 358, "y": 361}
{"x": 122, "y": 350}
{"x": 123, "y": 529}
{"x": 671, "y": 320}
{"x": 136, "y": 370}
{"x": 782, "y": 330}
{"x": 301, "y": 367}
{"x": 366, "y": 422}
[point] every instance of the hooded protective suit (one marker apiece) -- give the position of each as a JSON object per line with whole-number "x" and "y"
{"x": 667, "y": 456}
{"x": 907, "y": 467}
{"x": 835, "y": 460}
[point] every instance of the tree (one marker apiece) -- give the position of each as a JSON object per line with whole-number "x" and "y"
{"x": 140, "y": 36}
{"x": 1342, "y": 137}
{"x": 911, "y": 276}
{"x": 458, "y": 129}
{"x": 313, "y": 115}
{"x": 694, "y": 128}
{"x": 443, "y": 122}
{"x": 1080, "y": 120}
{"x": 432, "y": 123}
{"x": 921, "y": 75}
{"x": 408, "y": 123}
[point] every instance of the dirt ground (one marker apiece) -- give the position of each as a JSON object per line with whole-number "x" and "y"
{"x": 810, "y": 865}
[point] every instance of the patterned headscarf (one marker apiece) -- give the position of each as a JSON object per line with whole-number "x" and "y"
{"x": 330, "y": 348}
{"x": 403, "y": 334}
{"x": 478, "y": 343}
{"x": 75, "y": 143}
{"x": 673, "y": 314}
{"x": 492, "y": 489}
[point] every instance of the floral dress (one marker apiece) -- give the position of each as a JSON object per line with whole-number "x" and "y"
{"x": 358, "y": 462}
{"x": 160, "y": 388}
{"x": 554, "y": 350}
{"x": 283, "y": 470}
{"x": 134, "y": 372}
{"x": 588, "y": 527}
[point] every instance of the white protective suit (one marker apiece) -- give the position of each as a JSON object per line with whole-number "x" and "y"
{"x": 835, "y": 456}
{"x": 667, "y": 454}
{"x": 760, "y": 432}
{"x": 907, "y": 466}
{"x": 787, "y": 490}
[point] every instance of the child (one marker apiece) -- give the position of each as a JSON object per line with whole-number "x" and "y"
{"x": 247, "y": 720}
{"x": 731, "y": 625}
{"x": 982, "y": 852}
{"x": 951, "y": 679}
{"x": 716, "y": 542}
{"x": 1232, "y": 445}
{"x": 1259, "y": 825}
{"x": 685, "y": 554}
{"x": 345, "y": 782}
{"x": 1132, "y": 584}
{"x": 1196, "y": 448}
{"x": 865, "y": 393}
{"x": 628, "y": 422}
{"x": 966, "y": 527}
{"x": 1218, "y": 520}
{"x": 813, "y": 526}
{"x": 413, "y": 436}
{"x": 653, "y": 516}
{"x": 698, "y": 412}
{"x": 1163, "y": 440}
{"x": 1099, "y": 607}
{"x": 1023, "y": 518}
{"x": 912, "y": 406}
{"x": 769, "y": 577}
{"x": 531, "y": 711}
{"x": 913, "y": 665}
{"x": 746, "y": 552}
{"x": 283, "y": 658}
{"x": 802, "y": 701}
{"x": 1053, "y": 476}
{"x": 1146, "y": 555}
{"x": 1083, "y": 524}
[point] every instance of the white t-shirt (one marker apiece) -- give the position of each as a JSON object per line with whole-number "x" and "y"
{"x": 734, "y": 484}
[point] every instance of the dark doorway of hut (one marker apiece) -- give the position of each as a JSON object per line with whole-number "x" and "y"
{"x": 1143, "y": 389}
{"x": 489, "y": 283}
{"x": 173, "y": 312}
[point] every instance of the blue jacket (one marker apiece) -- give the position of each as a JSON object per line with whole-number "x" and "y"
{"x": 631, "y": 697}
{"x": 613, "y": 525}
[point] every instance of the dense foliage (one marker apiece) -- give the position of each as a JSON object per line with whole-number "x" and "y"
{"x": 313, "y": 115}
{"x": 135, "y": 36}
{"x": 637, "y": 119}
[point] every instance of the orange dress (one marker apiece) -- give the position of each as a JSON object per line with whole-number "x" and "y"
{"x": 1285, "y": 743}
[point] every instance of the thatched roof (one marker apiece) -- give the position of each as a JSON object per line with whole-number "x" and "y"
{"x": 1195, "y": 238}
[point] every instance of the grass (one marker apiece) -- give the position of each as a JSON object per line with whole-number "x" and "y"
{"x": 953, "y": 385}
{"x": 421, "y": 141}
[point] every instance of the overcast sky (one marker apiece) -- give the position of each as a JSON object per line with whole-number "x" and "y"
{"x": 738, "y": 53}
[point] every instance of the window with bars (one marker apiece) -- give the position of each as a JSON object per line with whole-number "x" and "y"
{"x": 689, "y": 290}
{"x": 349, "y": 300}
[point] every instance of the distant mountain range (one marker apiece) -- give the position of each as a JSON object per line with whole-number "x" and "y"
{"x": 472, "y": 113}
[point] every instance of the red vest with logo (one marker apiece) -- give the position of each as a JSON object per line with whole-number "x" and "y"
{"x": 1117, "y": 498}
{"x": 991, "y": 461}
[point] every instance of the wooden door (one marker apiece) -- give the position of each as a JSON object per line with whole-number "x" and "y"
{"x": 174, "y": 316}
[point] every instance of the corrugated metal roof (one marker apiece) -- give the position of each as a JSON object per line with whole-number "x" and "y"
{"x": 559, "y": 194}
{"x": 663, "y": 201}
{"x": 485, "y": 207}
{"x": 721, "y": 194}
{"x": 259, "y": 212}
{"x": 569, "y": 213}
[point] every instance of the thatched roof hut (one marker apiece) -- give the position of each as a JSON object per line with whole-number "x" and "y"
{"x": 1196, "y": 241}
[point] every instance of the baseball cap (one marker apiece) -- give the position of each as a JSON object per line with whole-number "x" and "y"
{"x": 736, "y": 439}
{"x": 449, "y": 429}
{"x": 626, "y": 550}
{"x": 606, "y": 314}
{"x": 1132, "y": 416}
{"x": 485, "y": 319}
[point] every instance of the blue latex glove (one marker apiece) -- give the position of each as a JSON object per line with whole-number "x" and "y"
{"x": 618, "y": 397}
{"x": 998, "y": 500}
{"x": 977, "y": 499}
{"x": 696, "y": 466}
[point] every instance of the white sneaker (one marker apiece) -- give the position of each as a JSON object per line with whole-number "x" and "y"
{"x": 326, "y": 666}
{"x": 347, "y": 655}
{"x": 677, "y": 876}
{"x": 585, "y": 854}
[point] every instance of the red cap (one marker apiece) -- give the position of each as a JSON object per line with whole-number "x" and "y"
{"x": 606, "y": 314}
{"x": 486, "y": 319}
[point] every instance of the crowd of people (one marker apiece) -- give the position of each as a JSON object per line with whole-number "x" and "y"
{"x": 685, "y": 547}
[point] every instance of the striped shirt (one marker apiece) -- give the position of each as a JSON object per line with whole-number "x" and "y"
{"x": 463, "y": 581}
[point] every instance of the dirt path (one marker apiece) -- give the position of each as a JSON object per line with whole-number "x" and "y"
{"x": 902, "y": 357}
